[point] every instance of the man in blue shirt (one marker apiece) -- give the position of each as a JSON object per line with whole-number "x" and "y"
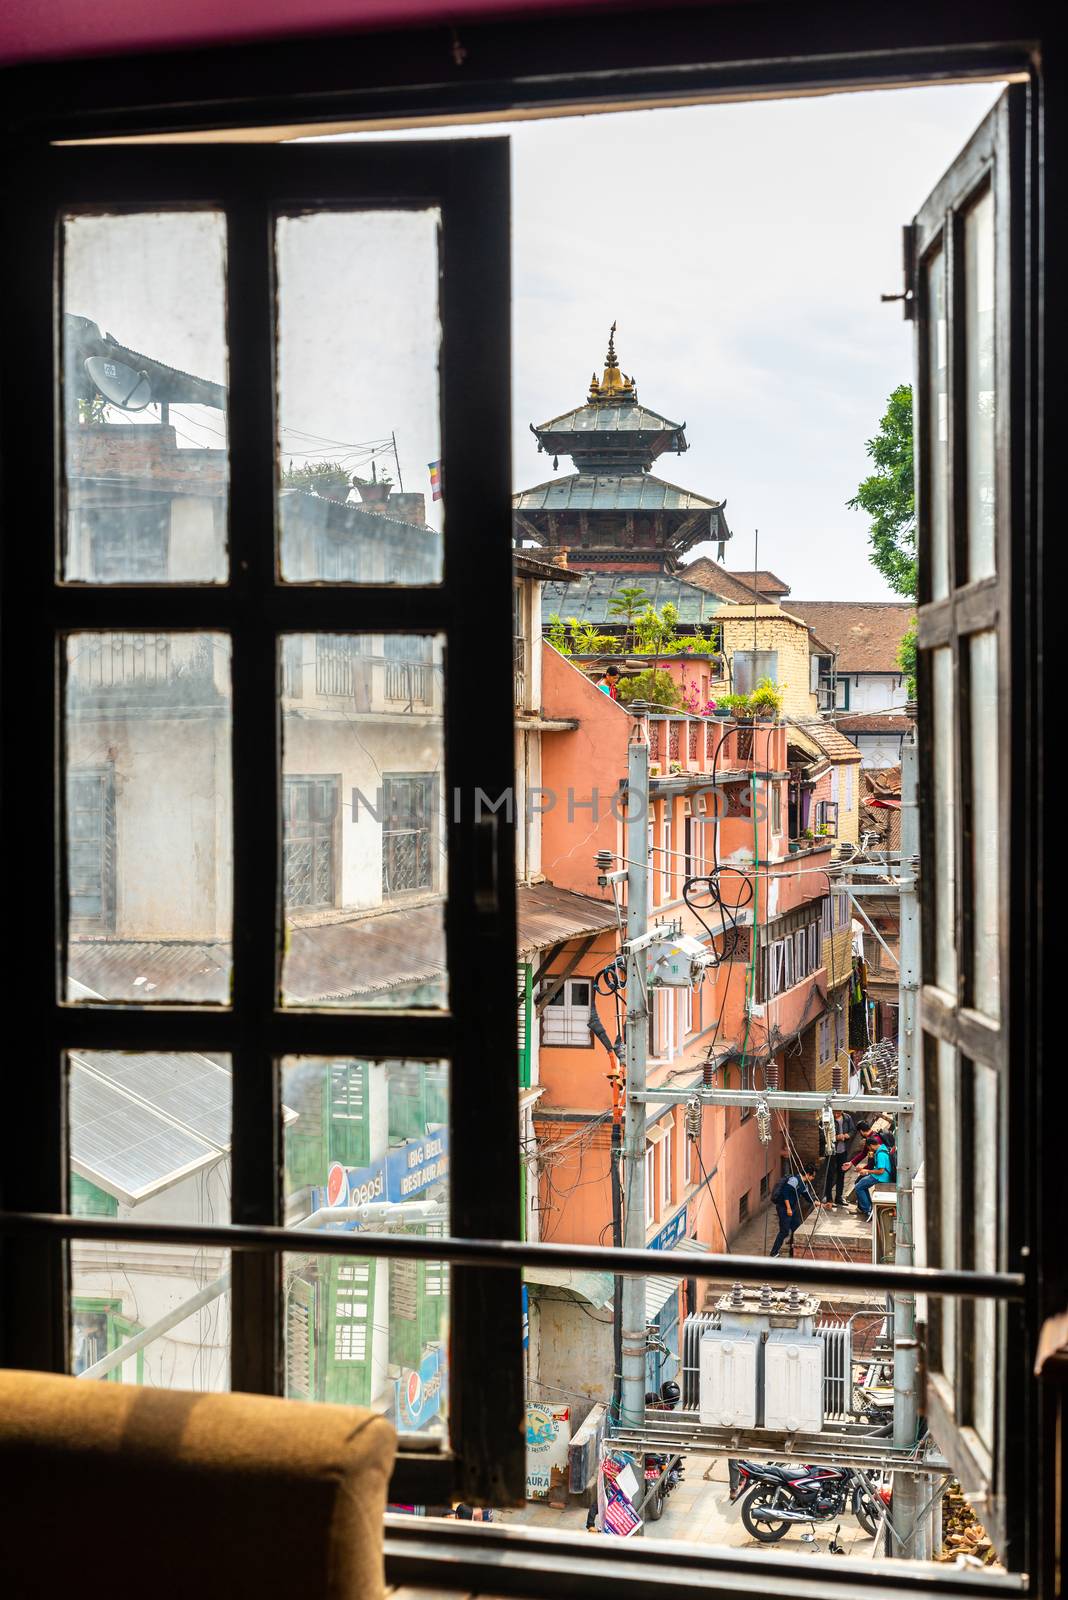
{"x": 877, "y": 1171}
{"x": 786, "y": 1197}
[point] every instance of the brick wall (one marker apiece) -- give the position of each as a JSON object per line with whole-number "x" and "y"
{"x": 786, "y": 635}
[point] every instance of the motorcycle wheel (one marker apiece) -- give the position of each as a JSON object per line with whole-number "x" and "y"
{"x": 653, "y": 1509}
{"x": 862, "y": 1510}
{"x": 766, "y": 1532}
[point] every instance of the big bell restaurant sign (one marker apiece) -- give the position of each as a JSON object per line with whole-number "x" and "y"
{"x": 400, "y": 1174}
{"x": 671, "y": 1233}
{"x": 548, "y": 1439}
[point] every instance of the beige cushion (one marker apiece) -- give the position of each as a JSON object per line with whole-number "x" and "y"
{"x": 115, "y": 1489}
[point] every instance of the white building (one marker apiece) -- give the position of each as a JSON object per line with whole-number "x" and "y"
{"x": 862, "y": 681}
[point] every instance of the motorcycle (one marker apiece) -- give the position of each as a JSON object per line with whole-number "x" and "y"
{"x": 662, "y": 1472}
{"x": 774, "y": 1498}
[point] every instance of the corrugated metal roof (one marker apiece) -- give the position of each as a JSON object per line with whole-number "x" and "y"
{"x": 611, "y": 491}
{"x": 367, "y": 956}
{"x": 610, "y": 418}
{"x": 151, "y": 969}
{"x": 595, "y": 1287}
{"x": 588, "y": 600}
{"x": 547, "y": 915}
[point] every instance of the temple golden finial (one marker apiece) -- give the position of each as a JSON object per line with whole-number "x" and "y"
{"x": 615, "y": 385}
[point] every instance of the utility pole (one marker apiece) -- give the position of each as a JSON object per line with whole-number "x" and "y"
{"x": 907, "y": 1488}
{"x": 632, "y": 1412}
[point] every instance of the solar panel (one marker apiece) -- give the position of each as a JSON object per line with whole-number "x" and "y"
{"x": 189, "y": 1088}
{"x": 125, "y": 1147}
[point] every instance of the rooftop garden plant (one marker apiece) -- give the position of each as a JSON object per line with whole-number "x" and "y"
{"x": 651, "y": 687}
{"x": 766, "y": 699}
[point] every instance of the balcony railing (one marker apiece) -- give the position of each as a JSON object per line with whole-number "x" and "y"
{"x": 334, "y": 669}
{"x": 681, "y": 744}
{"x": 171, "y": 665}
{"x": 521, "y": 671}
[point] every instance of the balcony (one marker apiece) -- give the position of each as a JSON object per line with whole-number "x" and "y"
{"x": 147, "y": 668}
{"x": 714, "y": 748}
{"x": 343, "y": 673}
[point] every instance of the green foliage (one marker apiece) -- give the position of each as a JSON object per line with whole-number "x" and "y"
{"x": 93, "y": 411}
{"x": 737, "y": 704}
{"x": 888, "y": 495}
{"x": 322, "y": 476}
{"x": 557, "y": 633}
{"x": 586, "y": 641}
{"x": 766, "y": 698}
{"x": 626, "y": 603}
{"x": 906, "y": 656}
{"x": 653, "y": 686}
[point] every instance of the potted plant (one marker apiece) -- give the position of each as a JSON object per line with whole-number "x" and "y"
{"x": 734, "y": 705}
{"x": 766, "y": 701}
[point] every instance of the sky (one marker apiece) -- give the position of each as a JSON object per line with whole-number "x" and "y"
{"x": 741, "y": 249}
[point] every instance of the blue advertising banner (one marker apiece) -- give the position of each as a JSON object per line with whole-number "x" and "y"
{"x": 398, "y": 1175}
{"x": 670, "y": 1233}
{"x": 419, "y": 1394}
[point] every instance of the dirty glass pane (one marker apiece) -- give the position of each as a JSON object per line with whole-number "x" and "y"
{"x": 986, "y": 965}
{"x": 367, "y": 1146}
{"x": 950, "y": 1199}
{"x": 980, "y": 383}
{"x": 150, "y": 1142}
{"x": 144, "y": 398}
{"x": 987, "y": 1209}
{"x": 944, "y": 888}
{"x": 363, "y": 811}
{"x": 148, "y": 817}
{"x": 938, "y": 404}
{"x": 359, "y": 445}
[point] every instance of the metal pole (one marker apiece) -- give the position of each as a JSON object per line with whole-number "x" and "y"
{"x": 633, "y": 1299}
{"x": 909, "y": 1159}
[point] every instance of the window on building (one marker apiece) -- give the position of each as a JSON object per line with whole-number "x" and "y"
{"x": 687, "y": 1161}
{"x": 408, "y": 674}
{"x": 748, "y": 667}
{"x": 824, "y": 1038}
{"x": 776, "y": 808}
{"x": 408, "y": 829}
{"x": 667, "y": 864}
{"x": 765, "y": 1185}
{"x": 743, "y": 1206}
{"x": 686, "y": 1003}
{"x": 309, "y": 848}
{"x": 650, "y": 1184}
{"x": 666, "y": 1167}
{"x": 91, "y": 859}
{"x": 566, "y": 1017}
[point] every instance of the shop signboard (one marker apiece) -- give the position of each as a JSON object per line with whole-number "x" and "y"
{"x": 399, "y": 1175}
{"x": 548, "y": 1439}
{"x": 419, "y": 1392}
{"x": 670, "y": 1233}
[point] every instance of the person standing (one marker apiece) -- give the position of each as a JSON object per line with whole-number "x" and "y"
{"x": 834, "y": 1178}
{"x": 609, "y": 684}
{"x": 786, "y": 1197}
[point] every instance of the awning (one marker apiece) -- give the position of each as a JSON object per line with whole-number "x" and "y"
{"x": 594, "y": 1287}
{"x": 658, "y": 1291}
{"x": 546, "y": 916}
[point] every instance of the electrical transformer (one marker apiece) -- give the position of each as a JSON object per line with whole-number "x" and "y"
{"x": 793, "y": 1381}
{"x": 730, "y": 1379}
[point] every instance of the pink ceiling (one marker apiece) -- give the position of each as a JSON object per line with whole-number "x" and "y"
{"x": 35, "y": 30}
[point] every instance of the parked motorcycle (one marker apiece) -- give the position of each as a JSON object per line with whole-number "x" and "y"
{"x": 774, "y": 1498}
{"x": 662, "y": 1472}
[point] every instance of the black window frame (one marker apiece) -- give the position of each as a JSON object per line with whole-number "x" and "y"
{"x": 719, "y": 51}
{"x": 468, "y": 183}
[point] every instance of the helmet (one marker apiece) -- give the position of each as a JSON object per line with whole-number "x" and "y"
{"x": 670, "y": 1393}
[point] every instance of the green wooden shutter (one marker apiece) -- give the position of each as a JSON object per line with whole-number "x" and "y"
{"x": 433, "y": 1292}
{"x": 405, "y": 1297}
{"x": 407, "y": 1102}
{"x": 307, "y": 1153}
{"x": 525, "y": 974}
{"x": 300, "y": 1340}
{"x": 348, "y": 1332}
{"x": 350, "y": 1141}
{"x": 86, "y": 1200}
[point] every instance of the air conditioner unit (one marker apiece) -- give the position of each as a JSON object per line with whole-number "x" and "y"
{"x": 730, "y": 1379}
{"x": 793, "y": 1382}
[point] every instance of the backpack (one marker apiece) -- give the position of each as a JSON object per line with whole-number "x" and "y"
{"x": 780, "y": 1190}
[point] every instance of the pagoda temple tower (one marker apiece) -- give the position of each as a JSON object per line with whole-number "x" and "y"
{"x": 612, "y": 515}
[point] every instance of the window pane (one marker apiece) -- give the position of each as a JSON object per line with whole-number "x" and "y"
{"x": 987, "y": 1170}
{"x": 363, "y": 819}
{"x": 983, "y": 656}
{"x": 144, "y": 398}
{"x": 944, "y": 888}
{"x": 148, "y": 795}
{"x": 150, "y": 1141}
{"x": 950, "y": 1200}
{"x": 938, "y": 380}
{"x": 980, "y": 383}
{"x": 367, "y": 1146}
{"x": 358, "y": 397}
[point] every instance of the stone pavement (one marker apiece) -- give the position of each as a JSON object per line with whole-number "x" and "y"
{"x": 698, "y": 1511}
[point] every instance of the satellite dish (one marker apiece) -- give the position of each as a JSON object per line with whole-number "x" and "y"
{"x": 119, "y": 384}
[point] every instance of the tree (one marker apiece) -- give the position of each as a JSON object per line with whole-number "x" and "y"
{"x": 626, "y": 603}
{"x": 325, "y": 477}
{"x": 888, "y": 495}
